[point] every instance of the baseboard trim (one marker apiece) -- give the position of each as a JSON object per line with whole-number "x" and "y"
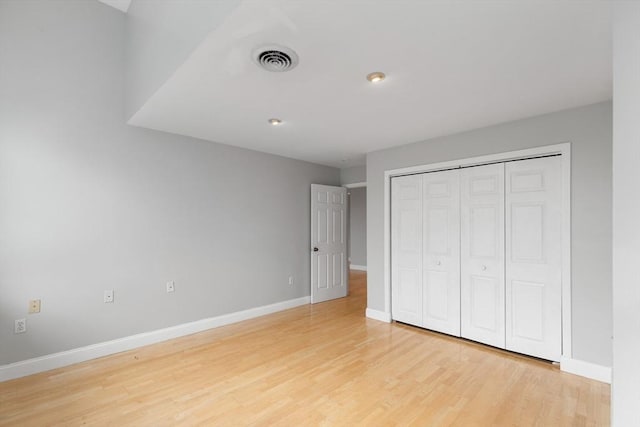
{"x": 77, "y": 355}
{"x": 358, "y": 267}
{"x": 382, "y": 316}
{"x": 586, "y": 369}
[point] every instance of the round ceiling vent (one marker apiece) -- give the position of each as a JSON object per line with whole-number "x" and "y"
{"x": 275, "y": 58}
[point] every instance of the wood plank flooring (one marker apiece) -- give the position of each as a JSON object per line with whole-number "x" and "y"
{"x": 324, "y": 364}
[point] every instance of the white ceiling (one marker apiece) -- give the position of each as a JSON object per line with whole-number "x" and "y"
{"x": 451, "y": 66}
{"x": 122, "y": 5}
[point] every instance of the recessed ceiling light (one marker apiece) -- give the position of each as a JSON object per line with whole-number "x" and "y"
{"x": 376, "y": 77}
{"x": 275, "y": 122}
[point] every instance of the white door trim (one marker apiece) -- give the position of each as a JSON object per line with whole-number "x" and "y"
{"x": 565, "y": 150}
{"x": 356, "y": 185}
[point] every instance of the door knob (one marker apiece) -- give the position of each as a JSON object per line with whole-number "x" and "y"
{"x": 315, "y": 249}
{"x": 484, "y": 267}
{"x": 438, "y": 263}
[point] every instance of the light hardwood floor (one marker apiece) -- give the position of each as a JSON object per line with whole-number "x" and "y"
{"x": 324, "y": 364}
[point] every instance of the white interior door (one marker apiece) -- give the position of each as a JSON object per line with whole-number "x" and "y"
{"x": 406, "y": 241}
{"x": 482, "y": 283}
{"x": 328, "y": 242}
{"x": 533, "y": 264}
{"x": 441, "y": 251}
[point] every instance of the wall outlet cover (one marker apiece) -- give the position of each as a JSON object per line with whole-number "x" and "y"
{"x": 108, "y": 296}
{"x": 20, "y": 326}
{"x": 34, "y": 306}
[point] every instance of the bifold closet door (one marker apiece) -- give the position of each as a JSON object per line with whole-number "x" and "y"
{"x": 482, "y": 285}
{"x": 533, "y": 265}
{"x": 441, "y": 251}
{"x": 406, "y": 249}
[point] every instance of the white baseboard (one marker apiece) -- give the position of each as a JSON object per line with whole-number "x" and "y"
{"x": 65, "y": 358}
{"x": 358, "y": 267}
{"x": 382, "y": 316}
{"x": 586, "y": 369}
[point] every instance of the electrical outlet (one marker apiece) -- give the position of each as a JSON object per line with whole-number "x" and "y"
{"x": 291, "y": 280}
{"x": 171, "y": 286}
{"x": 20, "y": 326}
{"x": 34, "y": 306}
{"x": 108, "y": 296}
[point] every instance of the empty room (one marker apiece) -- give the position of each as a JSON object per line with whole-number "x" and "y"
{"x": 318, "y": 212}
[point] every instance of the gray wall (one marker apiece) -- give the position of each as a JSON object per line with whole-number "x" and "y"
{"x": 358, "y": 226}
{"x": 353, "y": 175}
{"x": 88, "y": 203}
{"x": 161, "y": 34}
{"x": 589, "y": 130}
{"x": 625, "y": 393}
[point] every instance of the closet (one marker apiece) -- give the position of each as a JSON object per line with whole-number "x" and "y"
{"x": 476, "y": 253}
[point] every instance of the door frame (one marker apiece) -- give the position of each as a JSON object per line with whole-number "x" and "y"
{"x": 356, "y": 185}
{"x": 565, "y": 150}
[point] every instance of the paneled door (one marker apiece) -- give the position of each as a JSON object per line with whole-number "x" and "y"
{"x": 441, "y": 251}
{"x": 328, "y": 242}
{"x": 406, "y": 244}
{"x": 533, "y": 257}
{"x": 482, "y": 287}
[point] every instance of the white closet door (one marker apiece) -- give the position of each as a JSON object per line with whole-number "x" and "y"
{"x": 533, "y": 266}
{"x": 482, "y": 254}
{"x": 441, "y": 251}
{"x": 406, "y": 238}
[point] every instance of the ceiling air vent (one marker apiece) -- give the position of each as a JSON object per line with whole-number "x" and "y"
{"x": 276, "y": 58}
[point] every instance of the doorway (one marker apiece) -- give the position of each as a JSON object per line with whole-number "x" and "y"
{"x": 357, "y": 228}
